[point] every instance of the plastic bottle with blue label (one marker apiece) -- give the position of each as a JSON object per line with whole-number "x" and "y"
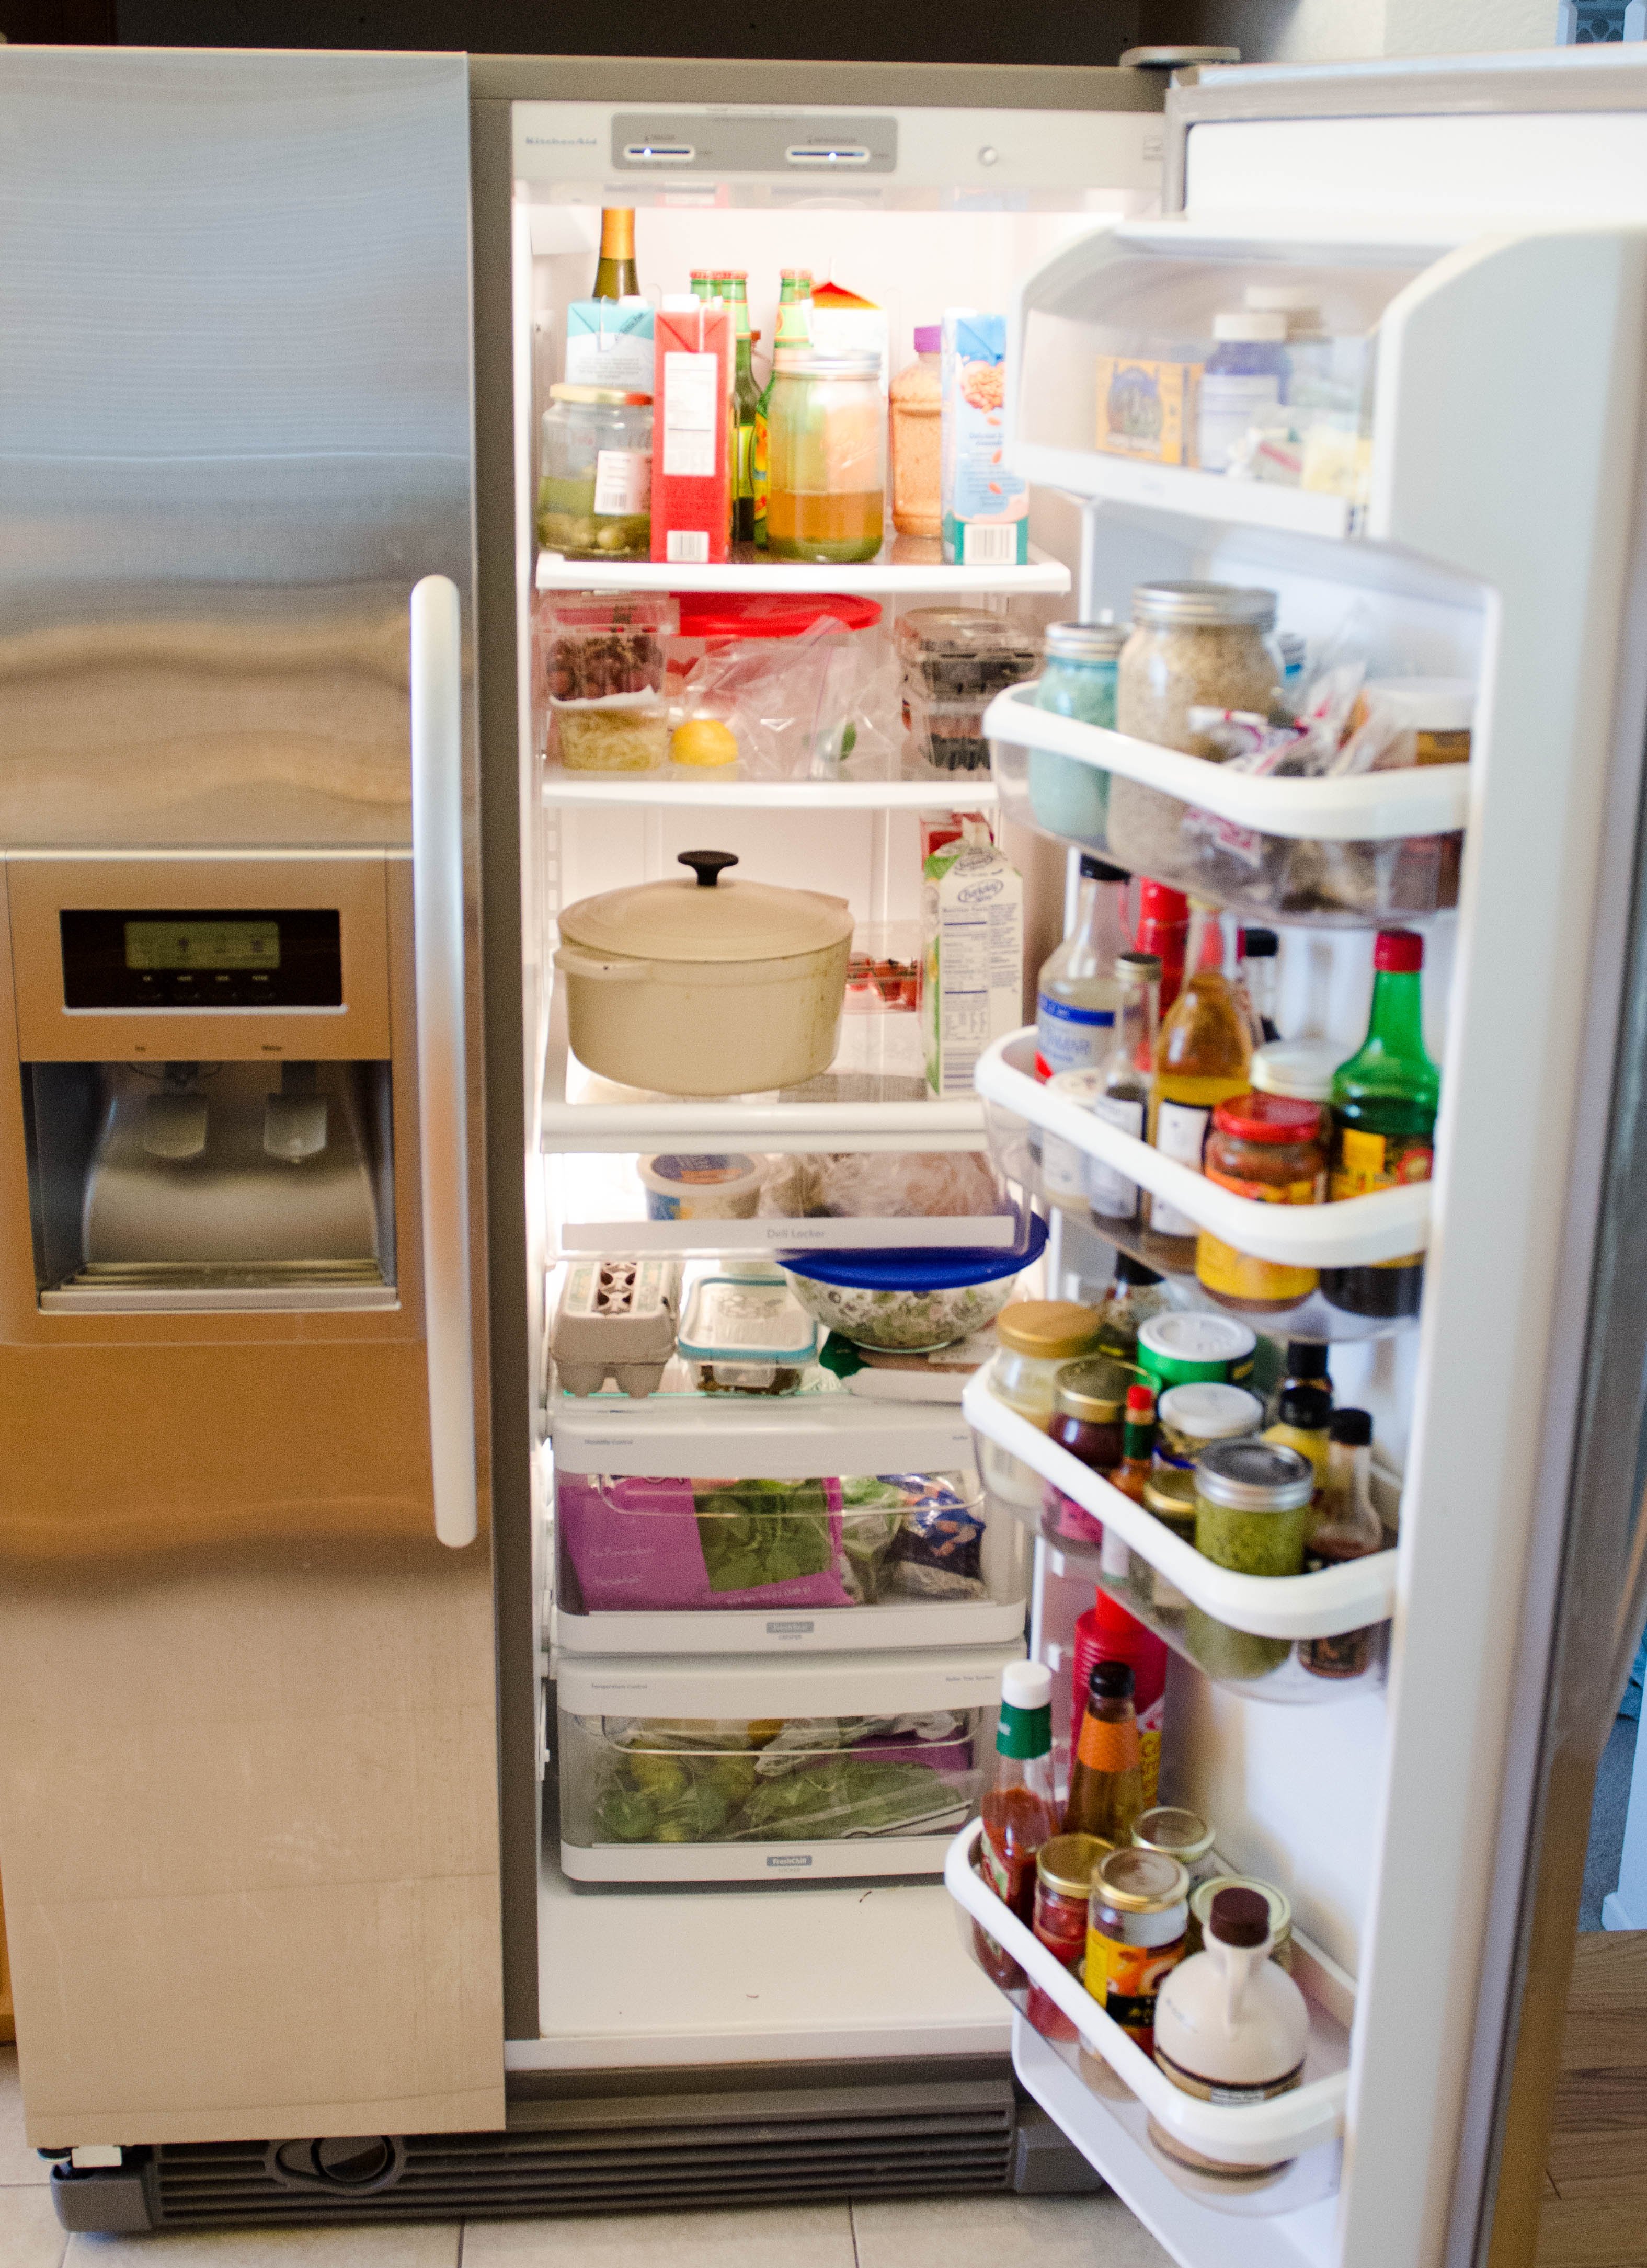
{"x": 1076, "y": 992}
{"x": 1243, "y": 383}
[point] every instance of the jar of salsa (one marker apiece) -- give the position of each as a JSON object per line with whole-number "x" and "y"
{"x": 1269, "y": 1148}
{"x": 1064, "y": 1867}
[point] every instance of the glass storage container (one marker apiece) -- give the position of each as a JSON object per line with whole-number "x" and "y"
{"x": 595, "y": 488}
{"x": 827, "y": 425}
{"x": 1077, "y": 678}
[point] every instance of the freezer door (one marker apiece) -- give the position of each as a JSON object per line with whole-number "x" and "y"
{"x": 248, "y": 1793}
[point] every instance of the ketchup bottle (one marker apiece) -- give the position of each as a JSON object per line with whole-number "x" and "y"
{"x": 1020, "y": 1811}
{"x": 1163, "y": 930}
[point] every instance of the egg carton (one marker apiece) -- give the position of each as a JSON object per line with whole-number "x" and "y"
{"x": 616, "y": 1319}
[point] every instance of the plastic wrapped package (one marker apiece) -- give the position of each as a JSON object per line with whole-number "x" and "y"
{"x": 782, "y": 673}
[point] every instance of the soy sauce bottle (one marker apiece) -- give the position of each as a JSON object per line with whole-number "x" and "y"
{"x": 1384, "y": 1117}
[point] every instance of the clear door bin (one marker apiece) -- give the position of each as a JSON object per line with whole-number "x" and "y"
{"x": 744, "y": 1771}
{"x": 771, "y": 1564}
{"x": 1229, "y": 855}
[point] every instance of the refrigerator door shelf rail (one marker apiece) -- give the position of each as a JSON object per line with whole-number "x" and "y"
{"x": 908, "y": 566}
{"x": 1184, "y": 490}
{"x": 670, "y": 790}
{"x": 1357, "y": 1230}
{"x": 1253, "y": 2134}
{"x": 1349, "y": 1597}
{"x": 1419, "y": 800}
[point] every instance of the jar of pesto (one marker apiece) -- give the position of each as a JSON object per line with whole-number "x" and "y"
{"x": 1253, "y": 1506}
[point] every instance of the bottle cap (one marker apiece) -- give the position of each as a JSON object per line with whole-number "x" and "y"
{"x": 1068, "y": 1862}
{"x": 1110, "y": 1680}
{"x": 1099, "y": 870}
{"x": 1138, "y": 968}
{"x": 1094, "y": 641}
{"x": 1180, "y": 1834}
{"x": 1140, "y": 1403}
{"x": 1399, "y": 951}
{"x": 1094, "y": 1390}
{"x": 1250, "y": 324}
{"x": 1248, "y": 1475}
{"x": 1260, "y": 944}
{"x": 1128, "y": 1271}
{"x": 1141, "y": 1881}
{"x": 1306, "y": 1359}
{"x": 1026, "y": 1685}
{"x": 1309, "y": 1408}
{"x": 1046, "y": 1329}
{"x": 1303, "y": 1068}
{"x": 1352, "y": 1427}
{"x": 929, "y": 338}
{"x": 1283, "y": 298}
{"x": 1267, "y": 1118}
{"x": 1239, "y": 1918}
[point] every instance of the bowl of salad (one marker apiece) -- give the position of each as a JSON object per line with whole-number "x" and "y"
{"x": 910, "y": 1302}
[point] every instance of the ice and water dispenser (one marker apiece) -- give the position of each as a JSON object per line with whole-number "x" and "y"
{"x": 206, "y": 1055}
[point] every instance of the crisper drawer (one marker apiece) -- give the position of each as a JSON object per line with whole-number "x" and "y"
{"x": 751, "y": 1770}
{"x": 685, "y": 1565}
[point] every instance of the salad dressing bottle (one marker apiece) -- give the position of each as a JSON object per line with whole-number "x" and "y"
{"x": 1202, "y": 1057}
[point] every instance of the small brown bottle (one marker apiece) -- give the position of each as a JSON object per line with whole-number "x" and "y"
{"x": 1107, "y": 1773}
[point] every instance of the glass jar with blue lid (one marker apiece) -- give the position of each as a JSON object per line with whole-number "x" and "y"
{"x": 1077, "y": 680}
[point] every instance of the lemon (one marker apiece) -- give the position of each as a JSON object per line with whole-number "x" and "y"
{"x": 703, "y": 740}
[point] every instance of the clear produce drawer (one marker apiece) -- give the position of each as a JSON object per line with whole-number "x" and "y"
{"x": 747, "y": 1770}
{"x": 671, "y": 1566}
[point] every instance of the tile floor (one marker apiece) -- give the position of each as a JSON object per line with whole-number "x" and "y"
{"x": 905, "y": 2232}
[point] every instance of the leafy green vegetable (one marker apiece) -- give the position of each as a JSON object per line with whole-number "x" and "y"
{"x": 756, "y": 1532}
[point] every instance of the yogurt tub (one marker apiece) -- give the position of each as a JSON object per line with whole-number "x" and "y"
{"x": 908, "y": 1302}
{"x": 686, "y": 1185}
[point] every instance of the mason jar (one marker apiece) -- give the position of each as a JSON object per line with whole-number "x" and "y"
{"x": 827, "y": 453}
{"x": 1077, "y": 680}
{"x": 595, "y": 489}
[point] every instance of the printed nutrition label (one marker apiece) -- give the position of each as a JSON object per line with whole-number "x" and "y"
{"x": 979, "y": 961}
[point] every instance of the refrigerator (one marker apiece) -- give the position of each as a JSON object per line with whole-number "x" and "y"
{"x": 305, "y": 1700}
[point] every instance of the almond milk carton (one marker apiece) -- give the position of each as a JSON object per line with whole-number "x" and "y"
{"x": 972, "y": 926}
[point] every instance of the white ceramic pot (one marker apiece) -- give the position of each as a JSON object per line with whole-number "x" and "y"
{"x": 704, "y": 986}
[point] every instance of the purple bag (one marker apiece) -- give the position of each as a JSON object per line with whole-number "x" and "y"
{"x": 662, "y": 1545}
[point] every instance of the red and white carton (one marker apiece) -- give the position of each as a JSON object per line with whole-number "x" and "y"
{"x": 691, "y": 467}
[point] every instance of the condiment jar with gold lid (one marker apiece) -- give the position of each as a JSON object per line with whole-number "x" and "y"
{"x": 1178, "y": 1833}
{"x": 1035, "y": 1338}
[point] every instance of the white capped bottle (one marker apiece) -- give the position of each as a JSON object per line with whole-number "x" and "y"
{"x": 1076, "y": 992}
{"x": 1230, "y": 2026}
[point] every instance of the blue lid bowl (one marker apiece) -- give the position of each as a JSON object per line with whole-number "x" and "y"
{"x": 919, "y": 1268}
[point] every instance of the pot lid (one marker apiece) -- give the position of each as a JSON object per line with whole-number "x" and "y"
{"x": 706, "y": 919}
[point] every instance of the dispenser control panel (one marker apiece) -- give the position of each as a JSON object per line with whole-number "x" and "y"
{"x": 199, "y": 957}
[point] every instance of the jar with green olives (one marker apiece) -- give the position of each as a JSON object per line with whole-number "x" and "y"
{"x": 595, "y": 492}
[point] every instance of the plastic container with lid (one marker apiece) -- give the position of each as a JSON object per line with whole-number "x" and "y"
{"x": 595, "y": 488}
{"x": 826, "y": 455}
{"x": 683, "y": 1185}
{"x": 1272, "y": 1149}
{"x": 1188, "y": 1418}
{"x": 1243, "y": 383}
{"x": 1176, "y": 1349}
{"x": 963, "y": 653}
{"x": 1136, "y": 1917}
{"x": 917, "y": 431}
{"x": 1438, "y": 711}
{"x": 908, "y": 1300}
{"x": 599, "y": 679}
{"x": 745, "y": 1336}
{"x": 1077, "y": 678}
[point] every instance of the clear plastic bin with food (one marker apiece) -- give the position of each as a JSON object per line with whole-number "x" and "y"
{"x": 629, "y": 1545}
{"x": 599, "y": 679}
{"x": 746, "y": 1334}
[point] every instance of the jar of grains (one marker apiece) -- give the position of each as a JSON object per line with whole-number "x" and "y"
{"x": 1193, "y": 646}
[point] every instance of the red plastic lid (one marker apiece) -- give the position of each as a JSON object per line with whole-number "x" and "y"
{"x": 723, "y": 615}
{"x": 1267, "y": 1118}
{"x": 1401, "y": 951}
{"x": 1141, "y": 1400}
{"x": 1158, "y": 901}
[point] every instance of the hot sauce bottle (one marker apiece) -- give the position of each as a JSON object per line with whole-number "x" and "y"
{"x": 1020, "y": 1811}
{"x": 1106, "y": 1775}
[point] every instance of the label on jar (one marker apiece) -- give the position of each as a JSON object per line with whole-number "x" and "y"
{"x": 1299, "y": 1192}
{"x": 1180, "y": 1132}
{"x": 1110, "y": 1191}
{"x": 1231, "y": 403}
{"x": 1213, "y": 2090}
{"x": 1068, "y": 1038}
{"x": 1125, "y": 1980}
{"x": 1366, "y": 1162}
{"x": 623, "y": 482}
{"x": 1240, "y": 1276}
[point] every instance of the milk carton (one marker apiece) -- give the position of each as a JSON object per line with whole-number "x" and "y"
{"x": 971, "y": 925}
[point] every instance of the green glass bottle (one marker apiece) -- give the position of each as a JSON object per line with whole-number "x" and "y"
{"x": 616, "y": 276}
{"x": 746, "y": 407}
{"x": 794, "y": 329}
{"x": 1385, "y": 1100}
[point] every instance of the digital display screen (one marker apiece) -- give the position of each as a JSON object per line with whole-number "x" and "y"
{"x": 166, "y": 944}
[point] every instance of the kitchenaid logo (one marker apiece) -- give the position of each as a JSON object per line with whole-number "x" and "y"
{"x": 974, "y": 893}
{"x": 562, "y": 141}
{"x": 789, "y": 1859}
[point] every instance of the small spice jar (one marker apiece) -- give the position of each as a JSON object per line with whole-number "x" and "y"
{"x": 1182, "y": 1349}
{"x": 1064, "y": 1867}
{"x": 1271, "y": 1149}
{"x": 1189, "y": 1418}
{"x": 1137, "y": 1917}
{"x": 1195, "y": 645}
{"x": 1253, "y": 1506}
{"x": 1203, "y": 1893}
{"x": 1077, "y": 678}
{"x": 1178, "y": 1833}
{"x": 595, "y": 490}
{"x": 1035, "y": 1338}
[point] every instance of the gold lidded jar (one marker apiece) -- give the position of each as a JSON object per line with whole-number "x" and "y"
{"x": 1195, "y": 645}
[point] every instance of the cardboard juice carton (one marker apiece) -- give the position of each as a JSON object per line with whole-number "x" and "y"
{"x": 986, "y": 508}
{"x": 691, "y": 458}
{"x": 971, "y": 932}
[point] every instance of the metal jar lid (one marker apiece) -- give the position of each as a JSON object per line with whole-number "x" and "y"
{"x": 1175, "y": 1832}
{"x": 607, "y": 397}
{"x": 1170, "y": 1494}
{"x": 1067, "y": 1863}
{"x": 1047, "y": 1329}
{"x": 1204, "y": 607}
{"x": 1094, "y": 1388}
{"x": 1254, "y": 1477}
{"x": 1280, "y": 1905}
{"x": 1086, "y": 641}
{"x": 819, "y": 362}
{"x": 1140, "y": 1882}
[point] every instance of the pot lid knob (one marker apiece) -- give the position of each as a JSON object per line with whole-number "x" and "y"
{"x": 707, "y": 865}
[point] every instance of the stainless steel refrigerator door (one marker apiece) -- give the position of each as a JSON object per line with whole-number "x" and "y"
{"x": 248, "y": 1793}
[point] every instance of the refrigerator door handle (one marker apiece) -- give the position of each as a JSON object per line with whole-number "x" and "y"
{"x": 437, "y": 688}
